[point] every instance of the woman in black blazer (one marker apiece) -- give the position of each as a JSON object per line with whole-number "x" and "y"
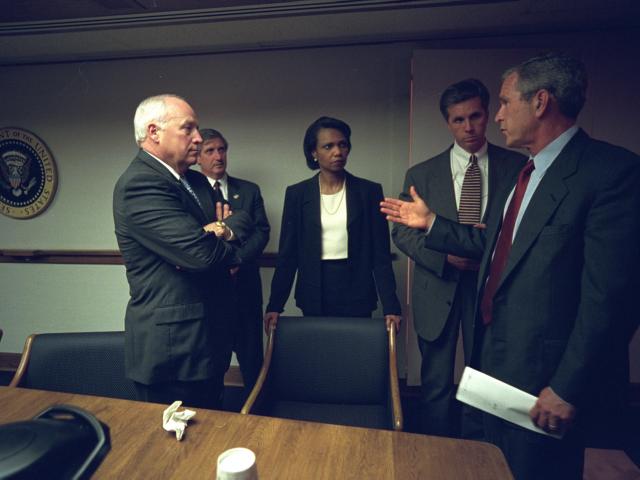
{"x": 334, "y": 237}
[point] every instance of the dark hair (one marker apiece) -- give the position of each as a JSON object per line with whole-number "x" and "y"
{"x": 564, "y": 77}
{"x": 311, "y": 137}
{"x": 462, "y": 91}
{"x": 211, "y": 134}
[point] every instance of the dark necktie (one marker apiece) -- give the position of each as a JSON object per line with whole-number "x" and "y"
{"x": 217, "y": 192}
{"x": 186, "y": 185}
{"x": 503, "y": 245}
{"x": 471, "y": 194}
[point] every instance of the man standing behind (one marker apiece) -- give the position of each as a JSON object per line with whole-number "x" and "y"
{"x": 177, "y": 344}
{"x": 242, "y": 196}
{"x": 459, "y": 184}
{"x": 558, "y": 272}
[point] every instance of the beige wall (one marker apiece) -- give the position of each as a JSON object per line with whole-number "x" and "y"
{"x": 263, "y": 102}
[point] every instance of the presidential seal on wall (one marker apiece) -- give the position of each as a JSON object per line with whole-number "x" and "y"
{"x": 28, "y": 175}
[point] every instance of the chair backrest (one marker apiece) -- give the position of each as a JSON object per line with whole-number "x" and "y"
{"x": 90, "y": 363}
{"x": 331, "y": 370}
{"x": 330, "y": 360}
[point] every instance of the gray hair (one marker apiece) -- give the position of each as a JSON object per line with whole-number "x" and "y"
{"x": 562, "y": 76}
{"x": 151, "y": 110}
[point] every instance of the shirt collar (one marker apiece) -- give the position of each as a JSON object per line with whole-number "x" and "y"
{"x": 165, "y": 165}
{"x": 548, "y": 154}
{"x": 223, "y": 181}
{"x": 462, "y": 156}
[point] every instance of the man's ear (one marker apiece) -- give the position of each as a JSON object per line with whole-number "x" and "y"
{"x": 152, "y": 132}
{"x": 541, "y": 102}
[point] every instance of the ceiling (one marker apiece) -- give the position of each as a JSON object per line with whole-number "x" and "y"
{"x": 34, "y": 31}
{"x": 39, "y": 10}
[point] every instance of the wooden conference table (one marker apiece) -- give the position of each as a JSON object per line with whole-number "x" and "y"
{"x": 285, "y": 449}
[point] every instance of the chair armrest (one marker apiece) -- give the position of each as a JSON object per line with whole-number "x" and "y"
{"x": 396, "y": 405}
{"x": 256, "y": 394}
{"x": 24, "y": 362}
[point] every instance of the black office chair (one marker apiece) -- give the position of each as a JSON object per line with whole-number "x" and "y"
{"x": 90, "y": 363}
{"x": 331, "y": 370}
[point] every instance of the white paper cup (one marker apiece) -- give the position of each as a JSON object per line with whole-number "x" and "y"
{"x": 237, "y": 464}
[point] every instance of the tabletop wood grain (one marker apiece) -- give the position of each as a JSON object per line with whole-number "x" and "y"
{"x": 285, "y": 449}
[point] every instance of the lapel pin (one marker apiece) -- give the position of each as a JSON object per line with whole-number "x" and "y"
{"x": 236, "y": 196}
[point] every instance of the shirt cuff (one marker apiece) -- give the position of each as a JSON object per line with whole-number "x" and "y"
{"x": 428, "y": 230}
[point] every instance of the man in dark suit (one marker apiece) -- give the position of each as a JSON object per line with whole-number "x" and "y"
{"x": 556, "y": 289}
{"x": 241, "y": 195}
{"x": 444, "y": 286}
{"x": 177, "y": 342}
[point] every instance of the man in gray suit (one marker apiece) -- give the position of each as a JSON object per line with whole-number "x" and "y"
{"x": 177, "y": 323}
{"x": 444, "y": 286}
{"x": 242, "y": 196}
{"x": 558, "y": 275}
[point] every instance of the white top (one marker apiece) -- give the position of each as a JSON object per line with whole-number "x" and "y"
{"x": 333, "y": 217}
{"x": 459, "y": 164}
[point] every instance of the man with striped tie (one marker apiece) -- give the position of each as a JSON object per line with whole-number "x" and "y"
{"x": 459, "y": 184}
{"x": 558, "y": 277}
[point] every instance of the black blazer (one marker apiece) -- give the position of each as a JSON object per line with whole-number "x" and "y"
{"x": 434, "y": 280}
{"x": 563, "y": 312}
{"x": 301, "y": 248}
{"x": 176, "y": 322}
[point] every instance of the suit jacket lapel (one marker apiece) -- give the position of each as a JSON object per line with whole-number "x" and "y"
{"x": 311, "y": 228}
{"x": 192, "y": 201}
{"x": 354, "y": 207}
{"x": 154, "y": 164}
{"x": 311, "y": 203}
{"x": 438, "y": 186}
{"x": 233, "y": 193}
{"x": 546, "y": 199}
{"x": 164, "y": 172}
{"x": 204, "y": 192}
{"x": 496, "y": 176}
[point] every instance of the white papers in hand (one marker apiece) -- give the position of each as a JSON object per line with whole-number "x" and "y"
{"x": 498, "y": 398}
{"x": 175, "y": 421}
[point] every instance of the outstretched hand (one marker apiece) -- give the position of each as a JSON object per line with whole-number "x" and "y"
{"x": 414, "y": 214}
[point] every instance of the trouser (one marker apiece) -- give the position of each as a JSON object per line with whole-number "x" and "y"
{"x": 533, "y": 456}
{"x": 439, "y": 411}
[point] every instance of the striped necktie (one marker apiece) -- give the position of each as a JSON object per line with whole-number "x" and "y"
{"x": 186, "y": 185}
{"x": 471, "y": 194}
